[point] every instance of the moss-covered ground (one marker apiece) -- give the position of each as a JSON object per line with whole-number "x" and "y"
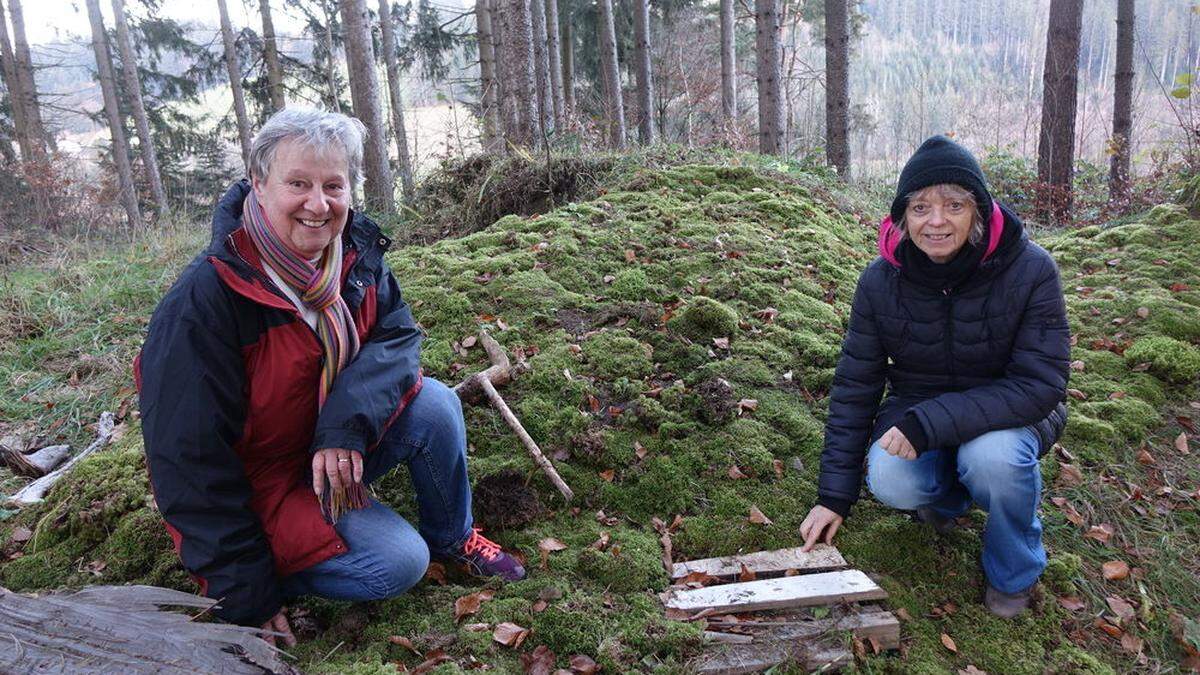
{"x": 648, "y": 312}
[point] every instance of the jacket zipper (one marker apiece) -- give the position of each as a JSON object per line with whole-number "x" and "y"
{"x": 949, "y": 303}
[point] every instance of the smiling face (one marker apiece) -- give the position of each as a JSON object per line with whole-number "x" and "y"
{"x": 938, "y": 219}
{"x": 306, "y": 196}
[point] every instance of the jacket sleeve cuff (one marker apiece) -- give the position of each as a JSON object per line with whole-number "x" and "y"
{"x": 911, "y": 427}
{"x": 838, "y": 506}
{"x": 350, "y": 439}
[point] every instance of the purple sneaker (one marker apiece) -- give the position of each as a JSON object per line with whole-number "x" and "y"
{"x": 482, "y": 557}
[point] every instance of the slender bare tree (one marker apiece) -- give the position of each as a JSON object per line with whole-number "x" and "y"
{"x": 837, "y": 87}
{"x": 641, "y": 57}
{"x": 541, "y": 64}
{"x": 395, "y": 98}
{"x": 489, "y": 113}
{"x": 235, "y": 84}
{"x": 1056, "y": 143}
{"x": 517, "y": 72}
{"x": 364, "y": 93}
{"x": 39, "y": 136}
{"x": 1118, "y": 176}
{"x": 133, "y": 90}
{"x": 728, "y": 64}
{"x": 611, "y": 72}
{"x": 331, "y": 61}
{"x": 553, "y": 48}
{"x": 13, "y": 84}
{"x": 568, "y": 67}
{"x": 108, "y": 87}
{"x": 770, "y": 75}
{"x": 271, "y": 57}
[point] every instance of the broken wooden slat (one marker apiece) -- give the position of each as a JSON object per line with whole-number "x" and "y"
{"x": 824, "y": 588}
{"x": 815, "y": 643}
{"x": 823, "y": 557}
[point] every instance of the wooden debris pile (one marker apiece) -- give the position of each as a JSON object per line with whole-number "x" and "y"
{"x": 771, "y": 607}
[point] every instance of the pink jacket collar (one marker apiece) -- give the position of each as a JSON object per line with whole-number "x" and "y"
{"x": 889, "y": 236}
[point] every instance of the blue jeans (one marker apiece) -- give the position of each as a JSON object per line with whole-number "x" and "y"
{"x": 999, "y": 472}
{"x": 386, "y": 555}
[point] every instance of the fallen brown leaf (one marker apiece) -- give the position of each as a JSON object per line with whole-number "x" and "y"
{"x": 721, "y": 343}
{"x": 476, "y": 627}
{"x": 20, "y": 535}
{"x": 584, "y": 665}
{"x": 1115, "y": 570}
{"x": 675, "y": 523}
{"x": 1071, "y": 603}
{"x": 639, "y": 450}
{"x": 539, "y": 606}
{"x": 971, "y": 670}
{"x": 698, "y": 578}
{"x": 1069, "y": 474}
{"x": 469, "y": 341}
{"x": 608, "y": 475}
{"x": 1121, "y": 608}
{"x": 747, "y": 574}
{"x": 538, "y": 662}
{"x": 777, "y": 465}
{"x": 948, "y": 643}
{"x": 403, "y": 642}
{"x": 1101, "y": 533}
{"x": 602, "y": 543}
{"x": 1143, "y": 312}
{"x": 758, "y": 518}
{"x": 1145, "y": 458}
{"x": 470, "y": 603}
{"x": 436, "y": 572}
{"x": 903, "y": 614}
{"x": 735, "y": 473}
{"x": 1068, "y": 510}
{"x": 1132, "y": 643}
{"x": 510, "y": 634}
{"x": 1108, "y": 628}
{"x": 745, "y": 404}
{"x": 433, "y": 659}
{"x": 548, "y": 546}
{"x": 1181, "y": 443}
{"x": 1076, "y": 394}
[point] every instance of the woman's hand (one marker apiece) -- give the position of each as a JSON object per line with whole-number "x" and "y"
{"x": 279, "y": 624}
{"x": 819, "y": 520}
{"x": 895, "y": 443}
{"x": 343, "y": 467}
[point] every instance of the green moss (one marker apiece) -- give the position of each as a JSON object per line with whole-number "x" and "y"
{"x": 705, "y": 318}
{"x": 631, "y": 285}
{"x": 1062, "y": 571}
{"x": 1068, "y": 659}
{"x": 614, "y": 354}
{"x": 1170, "y": 359}
{"x": 632, "y": 562}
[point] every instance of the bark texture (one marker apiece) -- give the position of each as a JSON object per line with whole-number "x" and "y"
{"x": 516, "y": 70}
{"x": 235, "y": 84}
{"x": 611, "y": 74}
{"x": 1056, "y": 143}
{"x": 108, "y": 86}
{"x": 133, "y": 89}
{"x": 8, "y": 68}
{"x": 1118, "y": 175}
{"x": 271, "y": 57}
{"x": 557, "y": 98}
{"x": 645, "y": 83}
{"x": 39, "y": 138}
{"x": 541, "y": 63}
{"x": 568, "y": 59}
{"x": 837, "y": 87}
{"x": 728, "y": 63}
{"x": 769, "y": 74}
{"x": 364, "y": 94}
{"x": 395, "y": 98}
{"x": 489, "y": 113}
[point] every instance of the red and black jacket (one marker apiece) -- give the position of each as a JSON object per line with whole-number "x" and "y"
{"x": 228, "y": 393}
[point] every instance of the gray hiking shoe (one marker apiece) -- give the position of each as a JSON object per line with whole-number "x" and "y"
{"x": 940, "y": 524}
{"x": 1007, "y": 605}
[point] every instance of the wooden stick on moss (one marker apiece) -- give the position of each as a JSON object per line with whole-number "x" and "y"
{"x": 36, "y": 491}
{"x": 501, "y": 372}
{"x": 515, "y": 424}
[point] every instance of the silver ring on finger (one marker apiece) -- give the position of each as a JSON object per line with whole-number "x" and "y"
{"x": 342, "y": 459}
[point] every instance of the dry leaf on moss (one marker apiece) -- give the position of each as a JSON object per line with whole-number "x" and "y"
{"x": 1115, "y": 570}
{"x": 510, "y": 634}
{"x": 948, "y": 643}
{"x": 758, "y": 518}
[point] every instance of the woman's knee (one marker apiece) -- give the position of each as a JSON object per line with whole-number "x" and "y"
{"x": 899, "y": 483}
{"x": 999, "y": 456}
{"x": 402, "y": 567}
{"x": 437, "y": 406}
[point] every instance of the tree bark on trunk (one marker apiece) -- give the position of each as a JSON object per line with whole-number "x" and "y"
{"x": 108, "y": 86}
{"x": 364, "y": 94}
{"x": 645, "y": 83}
{"x": 331, "y": 62}
{"x": 568, "y": 68}
{"x": 1118, "y": 177}
{"x": 541, "y": 64}
{"x": 489, "y": 115}
{"x": 728, "y": 64}
{"x": 516, "y": 61}
{"x": 271, "y": 57}
{"x": 133, "y": 88}
{"x": 557, "y": 98}
{"x": 1056, "y": 143}
{"x": 235, "y": 84}
{"x": 39, "y": 138}
{"x": 612, "y": 76}
{"x": 8, "y": 68}
{"x": 769, "y": 66}
{"x": 395, "y": 98}
{"x": 837, "y": 87}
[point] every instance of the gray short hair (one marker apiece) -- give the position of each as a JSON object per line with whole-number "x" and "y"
{"x": 319, "y": 129}
{"x": 949, "y": 191}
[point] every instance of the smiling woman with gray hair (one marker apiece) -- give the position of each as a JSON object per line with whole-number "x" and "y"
{"x": 280, "y": 375}
{"x": 962, "y": 320}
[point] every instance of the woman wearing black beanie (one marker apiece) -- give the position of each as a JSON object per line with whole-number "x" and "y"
{"x": 962, "y": 320}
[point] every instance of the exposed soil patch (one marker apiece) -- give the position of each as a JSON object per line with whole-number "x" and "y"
{"x": 717, "y": 404}
{"x": 503, "y": 500}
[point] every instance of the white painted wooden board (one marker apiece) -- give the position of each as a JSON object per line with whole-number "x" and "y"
{"x": 822, "y": 557}
{"x": 823, "y": 588}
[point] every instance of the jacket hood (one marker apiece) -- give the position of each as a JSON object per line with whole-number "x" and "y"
{"x": 1003, "y": 221}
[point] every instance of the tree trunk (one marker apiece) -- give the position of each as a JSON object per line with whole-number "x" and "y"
{"x": 1056, "y": 142}
{"x": 1118, "y": 177}
{"x": 645, "y": 84}
{"x": 364, "y": 94}
{"x": 837, "y": 87}
{"x": 395, "y": 98}
{"x": 770, "y": 100}
{"x": 517, "y": 72}
{"x": 611, "y": 76}
{"x": 541, "y": 63}
{"x": 39, "y": 138}
{"x": 568, "y": 68}
{"x": 271, "y": 57}
{"x": 235, "y": 84}
{"x": 557, "y": 98}
{"x": 8, "y": 61}
{"x": 108, "y": 86}
{"x": 489, "y": 115}
{"x": 728, "y": 64}
{"x": 331, "y": 62}
{"x": 133, "y": 89}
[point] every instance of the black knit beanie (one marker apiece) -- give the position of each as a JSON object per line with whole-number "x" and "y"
{"x": 941, "y": 160}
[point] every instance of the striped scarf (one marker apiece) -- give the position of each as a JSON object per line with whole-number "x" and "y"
{"x": 317, "y": 288}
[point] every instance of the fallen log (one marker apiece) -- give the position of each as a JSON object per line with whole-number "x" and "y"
{"x": 36, "y": 491}
{"x": 122, "y": 629}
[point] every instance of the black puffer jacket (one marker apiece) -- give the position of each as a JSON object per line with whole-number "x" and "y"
{"x": 990, "y": 354}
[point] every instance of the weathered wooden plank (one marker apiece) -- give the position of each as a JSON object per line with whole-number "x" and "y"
{"x": 823, "y": 557}
{"x": 815, "y": 643}
{"x": 824, "y": 588}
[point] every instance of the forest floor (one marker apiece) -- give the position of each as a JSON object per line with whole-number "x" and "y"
{"x": 651, "y": 284}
